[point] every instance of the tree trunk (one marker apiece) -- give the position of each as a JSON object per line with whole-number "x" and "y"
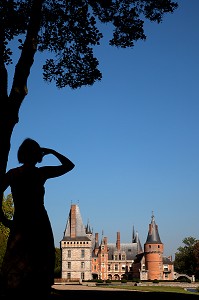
{"x": 10, "y": 105}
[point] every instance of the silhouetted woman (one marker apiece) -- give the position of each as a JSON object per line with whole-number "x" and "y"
{"x": 30, "y": 256}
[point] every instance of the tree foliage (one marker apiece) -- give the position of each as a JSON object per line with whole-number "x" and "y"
{"x": 196, "y": 255}
{"x": 67, "y": 31}
{"x": 187, "y": 257}
{"x": 57, "y": 263}
{"x": 8, "y": 209}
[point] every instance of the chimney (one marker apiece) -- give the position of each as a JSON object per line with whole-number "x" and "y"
{"x": 118, "y": 241}
{"x": 96, "y": 238}
{"x": 73, "y": 220}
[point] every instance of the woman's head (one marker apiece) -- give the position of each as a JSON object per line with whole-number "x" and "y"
{"x": 29, "y": 152}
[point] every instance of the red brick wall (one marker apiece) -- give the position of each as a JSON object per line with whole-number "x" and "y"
{"x": 154, "y": 261}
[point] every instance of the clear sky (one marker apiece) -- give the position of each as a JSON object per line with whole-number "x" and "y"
{"x": 133, "y": 136}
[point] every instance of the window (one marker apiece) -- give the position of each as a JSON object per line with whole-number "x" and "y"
{"x": 115, "y": 257}
{"x": 82, "y": 276}
{"x": 69, "y": 253}
{"x": 166, "y": 268}
{"x": 109, "y": 267}
{"x": 68, "y": 275}
{"x": 116, "y": 267}
{"x": 82, "y": 265}
{"x": 69, "y": 265}
{"x": 123, "y": 257}
{"x": 82, "y": 253}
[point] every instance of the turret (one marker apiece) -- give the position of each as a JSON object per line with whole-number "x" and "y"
{"x": 153, "y": 249}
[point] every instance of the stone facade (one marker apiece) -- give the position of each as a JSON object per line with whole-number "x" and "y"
{"x": 76, "y": 259}
{"x": 76, "y": 249}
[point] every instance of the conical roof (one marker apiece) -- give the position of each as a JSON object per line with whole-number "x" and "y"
{"x": 153, "y": 234}
{"x": 74, "y": 226}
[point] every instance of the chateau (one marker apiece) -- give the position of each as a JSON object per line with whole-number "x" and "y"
{"x": 84, "y": 257}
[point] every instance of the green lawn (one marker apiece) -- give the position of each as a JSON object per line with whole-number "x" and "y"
{"x": 125, "y": 292}
{"x": 165, "y": 289}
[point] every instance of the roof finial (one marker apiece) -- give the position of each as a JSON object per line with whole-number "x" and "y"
{"x": 133, "y": 235}
{"x": 152, "y": 217}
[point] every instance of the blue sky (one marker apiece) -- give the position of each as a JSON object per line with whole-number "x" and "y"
{"x": 133, "y": 136}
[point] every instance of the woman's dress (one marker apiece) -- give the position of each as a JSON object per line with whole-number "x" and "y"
{"x": 30, "y": 256}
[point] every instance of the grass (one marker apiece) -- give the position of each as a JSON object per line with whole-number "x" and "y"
{"x": 165, "y": 289}
{"x": 127, "y": 292}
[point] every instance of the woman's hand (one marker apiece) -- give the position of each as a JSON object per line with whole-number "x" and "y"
{"x": 46, "y": 151}
{"x": 65, "y": 165}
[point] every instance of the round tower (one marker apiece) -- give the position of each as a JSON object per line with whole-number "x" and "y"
{"x": 153, "y": 250}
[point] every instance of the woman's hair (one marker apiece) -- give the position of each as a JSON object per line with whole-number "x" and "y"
{"x": 29, "y": 151}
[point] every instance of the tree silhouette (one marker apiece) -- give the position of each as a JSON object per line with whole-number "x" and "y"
{"x": 68, "y": 32}
{"x": 186, "y": 257}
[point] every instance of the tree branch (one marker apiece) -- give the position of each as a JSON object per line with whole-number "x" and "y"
{"x": 3, "y": 71}
{"x": 22, "y": 71}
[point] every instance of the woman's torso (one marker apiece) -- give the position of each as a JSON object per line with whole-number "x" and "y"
{"x": 27, "y": 188}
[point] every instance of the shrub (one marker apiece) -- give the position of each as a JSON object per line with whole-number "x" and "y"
{"x": 100, "y": 281}
{"x": 108, "y": 281}
{"x": 155, "y": 281}
{"x": 57, "y": 272}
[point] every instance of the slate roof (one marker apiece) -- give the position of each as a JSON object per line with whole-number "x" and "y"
{"x": 153, "y": 234}
{"x": 130, "y": 250}
{"x": 79, "y": 226}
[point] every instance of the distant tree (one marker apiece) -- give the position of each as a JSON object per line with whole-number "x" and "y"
{"x": 186, "y": 261}
{"x": 67, "y": 31}
{"x": 8, "y": 209}
{"x": 57, "y": 263}
{"x": 196, "y": 255}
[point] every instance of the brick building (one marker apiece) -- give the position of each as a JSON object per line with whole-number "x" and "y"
{"x": 84, "y": 257}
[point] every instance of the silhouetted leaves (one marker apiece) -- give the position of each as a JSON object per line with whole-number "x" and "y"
{"x": 69, "y": 32}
